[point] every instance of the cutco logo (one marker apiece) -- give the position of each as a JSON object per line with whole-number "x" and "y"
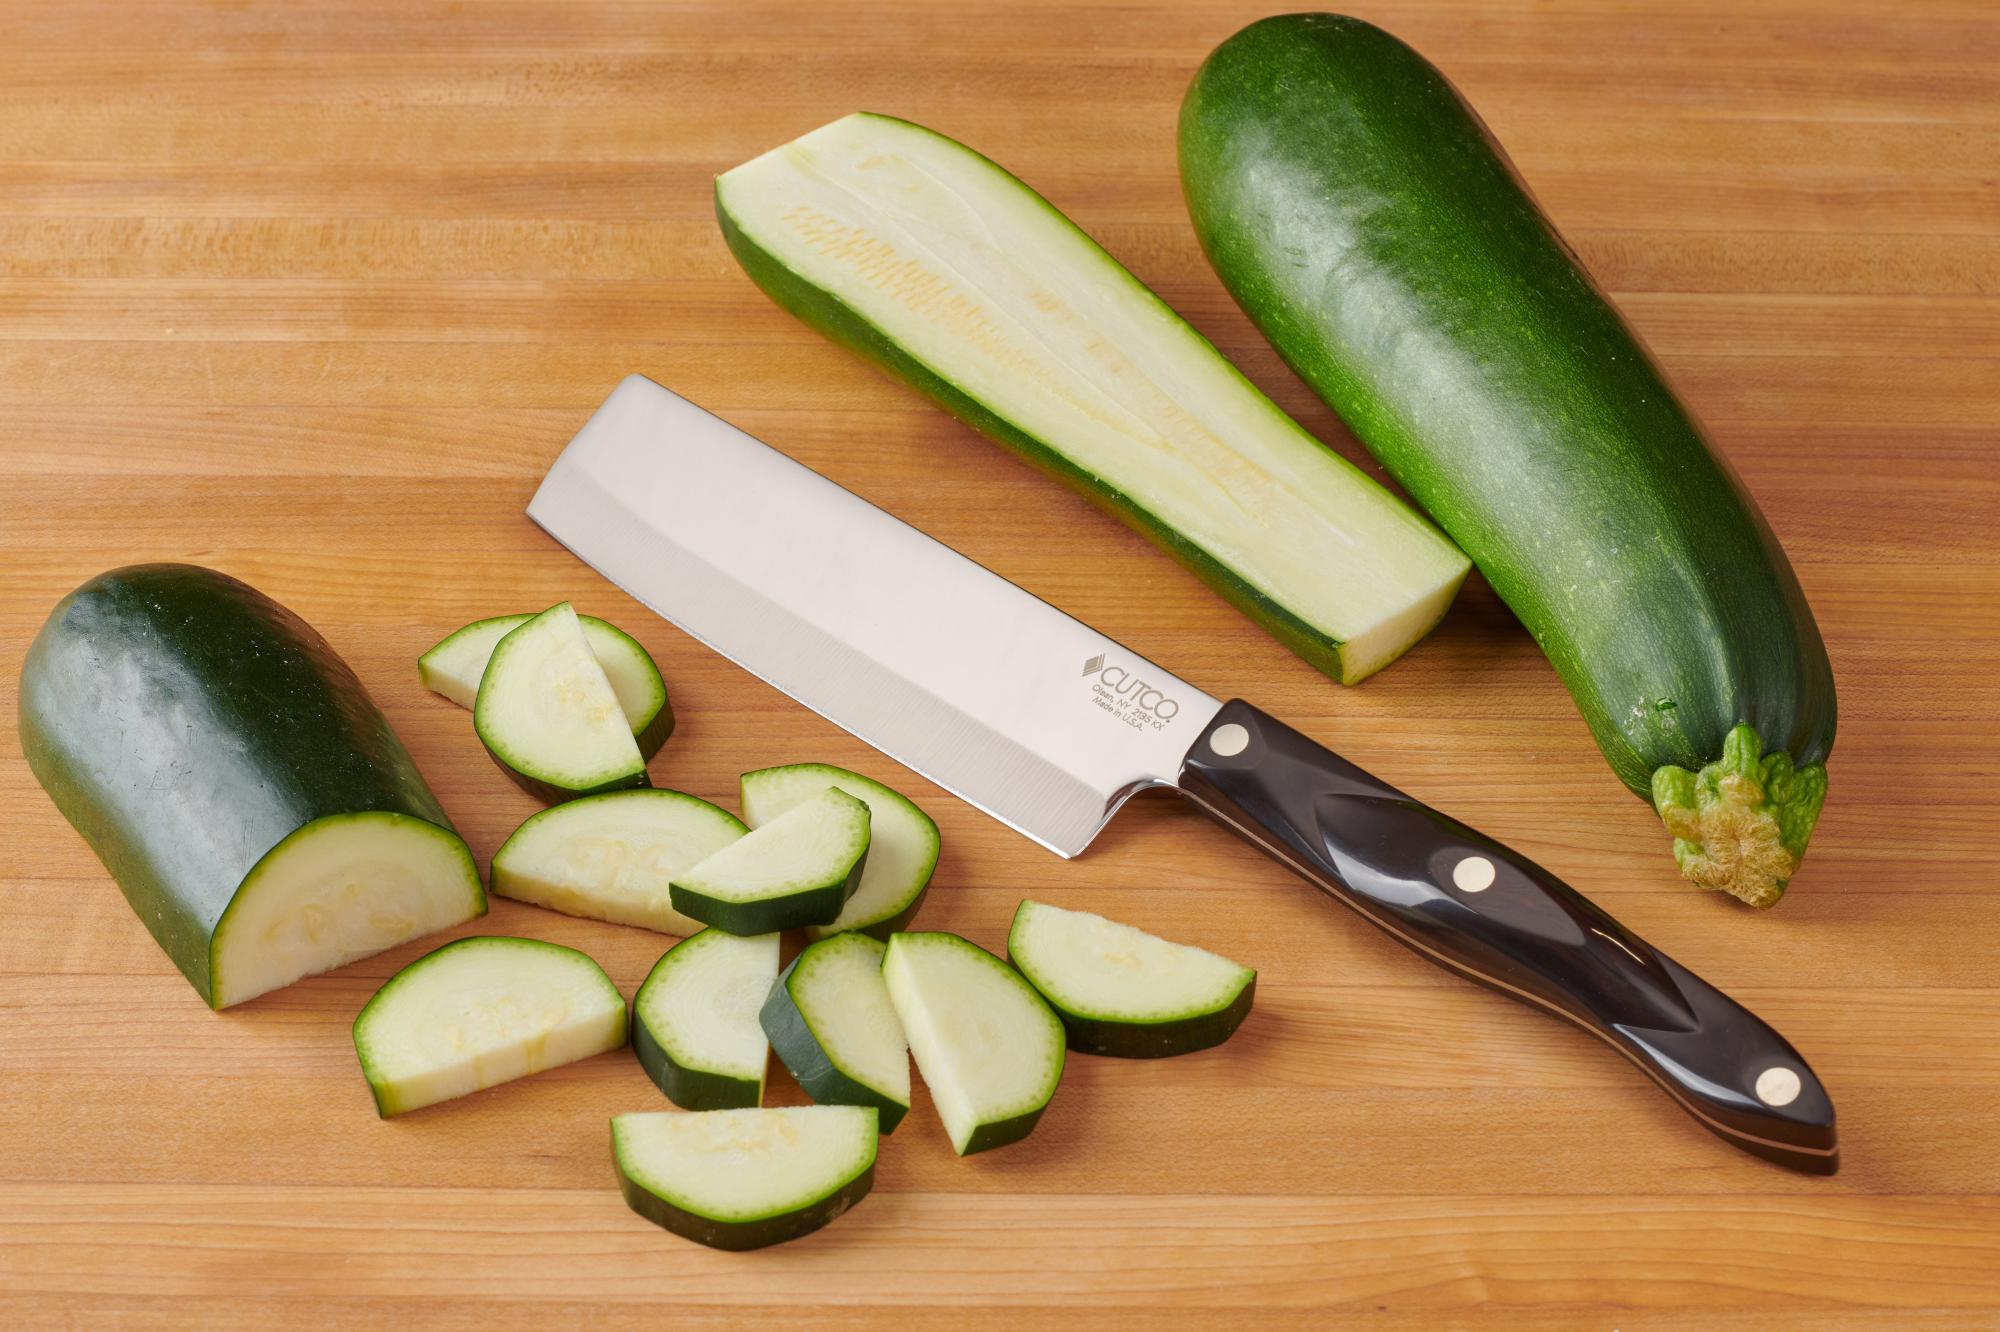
{"x": 1128, "y": 697}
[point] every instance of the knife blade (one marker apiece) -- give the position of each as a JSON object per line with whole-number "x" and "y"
{"x": 1050, "y": 726}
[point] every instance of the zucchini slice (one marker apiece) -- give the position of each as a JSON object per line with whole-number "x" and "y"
{"x": 1121, "y": 991}
{"x": 989, "y": 1047}
{"x": 920, "y": 254}
{"x": 902, "y": 843}
{"x": 798, "y": 869}
{"x": 479, "y": 1012}
{"x": 547, "y": 714}
{"x": 455, "y": 665}
{"x": 612, "y": 856}
{"x": 255, "y": 807}
{"x": 744, "y": 1179}
{"x": 830, "y": 1019}
{"x": 694, "y": 1021}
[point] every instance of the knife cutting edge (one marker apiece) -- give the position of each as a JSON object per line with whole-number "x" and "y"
{"x": 1049, "y": 726}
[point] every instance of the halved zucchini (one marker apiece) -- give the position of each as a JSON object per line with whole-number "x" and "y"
{"x": 954, "y": 275}
{"x": 229, "y": 769}
{"x": 547, "y": 714}
{"x": 455, "y": 665}
{"x": 902, "y": 843}
{"x": 1121, "y": 991}
{"x": 694, "y": 1021}
{"x": 798, "y": 869}
{"x": 830, "y": 1019}
{"x": 990, "y": 1049}
{"x": 479, "y": 1012}
{"x": 744, "y": 1179}
{"x": 612, "y": 856}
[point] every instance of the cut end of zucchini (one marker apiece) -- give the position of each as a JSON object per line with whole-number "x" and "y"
{"x": 1741, "y": 824}
{"x": 341, "y": 888}
{"x": 1121, "y": 991}
{"x": 694, "y": 1021}
{"x": 798, "y": 869}
{"x": 1381, "y": 643}
{"x": 612, "y": 856}
{"x": 547, "y": 713}
{"x": 744, "y": 1179}
{"x": 479, "y": 1012}
{"x": 955, "y": 275}
{"x": 989, "y": 1047}
{"x": 831, "y": 1020}
{"x": 902, "y": 842}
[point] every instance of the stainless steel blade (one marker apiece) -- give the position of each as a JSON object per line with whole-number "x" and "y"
{"x": 940, "y": 663}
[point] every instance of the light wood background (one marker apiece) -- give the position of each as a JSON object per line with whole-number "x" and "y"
{"x": 314, "y": 294}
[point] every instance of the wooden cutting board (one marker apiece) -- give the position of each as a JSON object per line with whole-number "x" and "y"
{"x": 315, "y": 296}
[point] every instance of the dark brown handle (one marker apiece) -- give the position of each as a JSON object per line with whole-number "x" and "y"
{"x": 1474, "y": 907}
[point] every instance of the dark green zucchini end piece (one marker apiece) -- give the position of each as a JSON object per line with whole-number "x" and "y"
{"x": 1741, "y": 824}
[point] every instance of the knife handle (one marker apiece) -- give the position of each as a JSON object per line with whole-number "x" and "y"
{"x": 1493, "y": 916}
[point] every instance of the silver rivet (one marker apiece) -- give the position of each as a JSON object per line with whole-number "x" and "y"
{"x": 1230, "y": 740}
{"x": 1474, "y": 874}
{"x": 1778, "y": 1086}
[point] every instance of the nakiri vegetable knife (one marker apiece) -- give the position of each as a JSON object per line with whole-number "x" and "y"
{"x": 1049, "y": 726}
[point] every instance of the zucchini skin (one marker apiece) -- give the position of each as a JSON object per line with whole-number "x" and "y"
{"x": 834, "y": 320}
{"x": 768, "y": 915}
{"x": 185, "y": 724}
{"x": 551, "y": 794}
{"x": 1362, "y": 215}
{"x": 1154, "y": 1040}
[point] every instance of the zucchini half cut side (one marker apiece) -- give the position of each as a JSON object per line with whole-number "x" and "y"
{"x": 342, "y": 888}
{"x": 798, "y": 869}
{"x": 745, "y": 1179}
{"x": 830, "y": 1019}
{"x": 954, "y": 275}
{"x": 547, "y": 714}
{"x": 694, "y": 1021}
{"x": 1121, "y": 991}
{"x": 455, "y": 665}
{"x": 479, "y": 1012}
{"x": 902, "y": 843}
{"x": 990, "y": 1049}
{"x": 612, "y": 856}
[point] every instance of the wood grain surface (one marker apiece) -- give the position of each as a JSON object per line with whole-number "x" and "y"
{"x": 313, "y": 294}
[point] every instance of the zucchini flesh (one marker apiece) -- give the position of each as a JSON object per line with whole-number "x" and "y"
{"x": 902, "y": 843}
{"x": 694, "y": 1021}
{"x": 745, "y": 1179}
{"x": 1121, "y": 991}
{"x": 254, "y": 806}
{"x": 798, "y": 869}
{"x": 479, "y": 1012}
{"x": 454, "y": 666}
{"x": 342, "y": 888}
{"x": 954, "y": 275}
{"x": 1364, "y": 218}
{"x": 612, "y": 856}
{"x": 989, "y": 1047}
{"x": 548, "y": 716}
{"x": 831, "y": 1021}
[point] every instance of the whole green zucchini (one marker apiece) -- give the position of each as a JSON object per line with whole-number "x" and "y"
{"x": 231, "y": 772}
{"x": 1361, "y": 214}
